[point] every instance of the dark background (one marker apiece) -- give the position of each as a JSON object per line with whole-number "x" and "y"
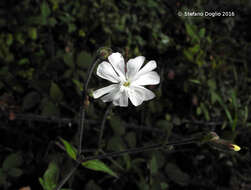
{"x": 46, "y": 48}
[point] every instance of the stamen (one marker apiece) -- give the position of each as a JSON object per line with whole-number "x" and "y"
{"x": 126, "y": 83}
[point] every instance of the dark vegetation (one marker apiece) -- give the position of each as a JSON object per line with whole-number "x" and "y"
{"x": 46, "y": 48}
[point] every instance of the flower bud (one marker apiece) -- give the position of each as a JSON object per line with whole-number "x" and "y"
{"x": 234, "y": 147}
{"x": 104, "y": 52}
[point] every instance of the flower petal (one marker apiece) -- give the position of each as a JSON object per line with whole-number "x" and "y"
{"x": 136, "y": 95}
{"x": 122, "y": 100}
{"x": 113, "y": 94}
{"x": 151, "y": 65}
{"x": 133, "y": 66}
{"x": 149, "y": 78}
{"x": 106, "y": 71}
{"x": 100, "y": 92}
{"x": 148, "y": 94}
{"x": 118, "y": 63}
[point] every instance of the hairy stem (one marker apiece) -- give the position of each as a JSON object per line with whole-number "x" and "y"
{"x": 84, "y": 107}
{"x": 90, "y": 71}
{"x": 108, "y": 109}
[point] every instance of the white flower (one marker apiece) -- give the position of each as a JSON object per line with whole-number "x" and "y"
{"x": 129, "y": 80}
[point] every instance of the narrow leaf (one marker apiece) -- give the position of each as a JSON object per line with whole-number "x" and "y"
{"x": 71, "y": 151}
{"x": 98, "y": 165}
{"x": 45, "y": 9}
{"x": 50, "y": 177}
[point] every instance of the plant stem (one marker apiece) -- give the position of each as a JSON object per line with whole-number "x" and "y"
{"x": 66, "y": 178}
{"x": 90, "y": 71}
{"x": 81, "y": 129}
{"x": 81, "y": 121}
{"x": 108, "y": 109}
{"x": 84, "y": 107}
{"x": 140, "y": 149}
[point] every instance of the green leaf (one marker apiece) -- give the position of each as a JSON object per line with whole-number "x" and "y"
{"x": 32, "y": 33}
{"x": 30, "y": 100}
{"x": 191, "y": 30}
{"x": 223, "y": 105}
{"x": 9, "y": 39}
{"x": 71, "y": 151}
{"x": 176, "y": 175}
{"x": 55, "y": 92}
{"x": 164, "y": 185}
{"x": 202, "y": 32}
{"x": 84, "y": 60}
{"x": 198, "y": 111}
{"x": 23, "y": 61}
{"x": 195, "y": 49}
{"x": 71, "y": 28}
{"x": 78, "y": 84}
{"x": 188, "y": 55}
{"x": 98, "y": 165}
{"x": 41, "y": 181}
{"x": 50, "y": 177}
{"x": 153, "y": 165}
{"x": 12, "y": 161}
{"x": 15, "y": 172}
{"x": 45, "y": 9}
{"x": 205, "y": 111}
{"x": 52, "y": 22}
{"x": 195, "y": 81}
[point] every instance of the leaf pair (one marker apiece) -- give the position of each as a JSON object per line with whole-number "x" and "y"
{"x": 95, "y": 165}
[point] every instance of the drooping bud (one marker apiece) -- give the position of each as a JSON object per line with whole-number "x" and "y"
{"x": 234, "y": 147}
{"x": 104, "y": 52}
{"x": 224, "y": 145}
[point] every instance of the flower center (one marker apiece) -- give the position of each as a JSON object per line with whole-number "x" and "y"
{"x": 127, "y": 83}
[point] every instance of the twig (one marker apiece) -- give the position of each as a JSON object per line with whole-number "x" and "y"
{"x": 82, "y": 121}
{"x": 113, "y": 161}
{"x": 90, "y": 71}
{"x": 84, "y": 106}
{"x": 103, "y": 123}
{"x": 81, "y": 127}
{"x": 139, "y": 149}
{"x": 66, "y": 178}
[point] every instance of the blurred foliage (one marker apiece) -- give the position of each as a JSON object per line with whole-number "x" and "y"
{"x": 46, "y": 48}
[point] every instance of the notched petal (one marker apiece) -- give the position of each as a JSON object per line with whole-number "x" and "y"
{"x": 133, "y": 66}
{"x": 106, "y": 71}
{"x": 150, "y": 66}
{"x": 118, "y": 63}
{"x": 102, "y": 91}
{"x": 149, "y": 78}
